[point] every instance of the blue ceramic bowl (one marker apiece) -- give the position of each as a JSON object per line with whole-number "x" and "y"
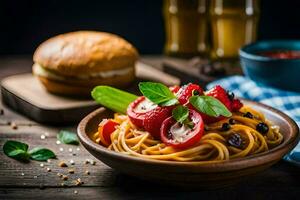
{"x": 279, "y": 73}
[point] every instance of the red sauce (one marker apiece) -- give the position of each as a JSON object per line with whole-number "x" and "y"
{"x": 281, "y": 54}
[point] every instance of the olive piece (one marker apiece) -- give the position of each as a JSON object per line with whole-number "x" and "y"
{"x": 262, "y": 128}
{"x": 235, "y": 140}
{"x": 225, "y": 127}
{"x": 248, "y": 115}
{"x": 232, "y": 121}
{"x": 230, "y": 95}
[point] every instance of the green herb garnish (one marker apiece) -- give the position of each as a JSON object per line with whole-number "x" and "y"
{"x": 16, "y": 150}
{"x": 19, "y": 151}
{"x": 210, "y": 106}
{"x": 67, "y": 137}
{"x": 41, "y": 154}
{"x": 181, "y": 115}
{"x": 112, "y": 98}
{"x": 158, "y": 93}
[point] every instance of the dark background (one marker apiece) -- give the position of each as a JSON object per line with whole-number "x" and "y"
{"x": 26, "y": 23}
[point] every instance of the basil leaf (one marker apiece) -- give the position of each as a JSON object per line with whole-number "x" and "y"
{"x": 158, "y": 93}
{"x": 112, "y": 98}
{"x": 180, "y": 113}
{"x": 41, "y": 154}
{"x": 16, "y": 150}
{"x": 210, "y": 106}
{"x": 67, "y": 137}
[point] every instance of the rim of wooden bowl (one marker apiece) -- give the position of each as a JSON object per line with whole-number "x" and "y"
{"x": 213, "y": 166}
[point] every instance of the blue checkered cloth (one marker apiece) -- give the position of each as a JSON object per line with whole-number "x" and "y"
{"x": 287, "y": 102}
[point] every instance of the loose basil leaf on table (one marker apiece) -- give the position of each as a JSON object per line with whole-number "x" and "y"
{"x": 16, "y": 150}
{"x": 210, "y": 106}
{"x": 158, "y": 93}
{"x": 67, "y": 137}
{"x": 112, "y": 98}
{"x": 41, "y": 154}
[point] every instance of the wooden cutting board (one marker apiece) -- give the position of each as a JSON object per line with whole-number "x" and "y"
{"x": 25, "y": 94}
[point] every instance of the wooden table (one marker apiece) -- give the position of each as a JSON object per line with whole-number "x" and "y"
{"x": 31, "y": 181}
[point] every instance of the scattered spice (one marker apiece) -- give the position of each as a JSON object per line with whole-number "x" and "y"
{"x": 64, "y": 177}
{"x": 35, "y": 177}
{"x": 41, "y": 165}
{"x": 78, "y": 182}
{"x": 71, "y": 171}
{"x": 22, "y": 174}
{"x": 61, "y": 149}
{"x": 58, "y": 142}
{"x": 87, "y": 172}
{"x": 13, "y": 125}
{"x": 78, "y": 149}
{"x": 70, "y": 149}
{"x": 75, "y": 192}
{"x": 62, "y": 164}
{"x": 93, "y": 162}
{"x": 59, "y": 174}
{"x": 87, "y": 161}
{"x": 1, "y": 111}
{"x": 72, "y": 162}
{"x": 48, "y": 169}
{"x": 43, "y": 137}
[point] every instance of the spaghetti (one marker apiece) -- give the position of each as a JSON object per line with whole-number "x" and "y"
{"x": 240, "y": 140}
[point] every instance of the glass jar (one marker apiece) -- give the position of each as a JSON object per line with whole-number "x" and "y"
{"x": 186, "y": 27}
{"x": 234, "y": 24}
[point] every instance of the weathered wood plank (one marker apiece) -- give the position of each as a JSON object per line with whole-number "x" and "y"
{"x": 152, "y": 192}
{"x": 11, "y": 170}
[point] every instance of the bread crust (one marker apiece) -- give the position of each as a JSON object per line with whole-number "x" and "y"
{"x": 85, "y": 52}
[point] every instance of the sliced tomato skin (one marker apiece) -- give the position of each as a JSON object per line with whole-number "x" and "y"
{"x": 105, "y": 130}
{"x": 154, "y": 119}
{"x": 197, "y": 131}
{"x": 174, "y": 89}
{"x": 136, "y": 118}
{"x": 187, "y": 91}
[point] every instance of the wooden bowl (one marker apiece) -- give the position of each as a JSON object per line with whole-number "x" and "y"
{"x": 192, "y": 174}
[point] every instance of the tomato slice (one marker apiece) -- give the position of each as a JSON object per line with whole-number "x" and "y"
{"x": 181, "y": 136}
{"x": 174, "y": 89}
{"x": 138, "y": 110}
{"x": 105, "y": 129}
{"x": 187, "y": 91}
{"x": 154, "y": 119}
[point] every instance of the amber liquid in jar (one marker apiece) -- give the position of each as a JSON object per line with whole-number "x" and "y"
{"x": 234, "y": 24}
{"x": 186, "y": 27}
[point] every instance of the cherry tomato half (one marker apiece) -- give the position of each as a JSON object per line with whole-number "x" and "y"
{"x": 105, "y": 129}
{"x": 138, "y": 109}
{"x": 187, "y": 91}
{"x": 174, "y": 89}
{"x": 154, "y": 119}
{"x": 181, "y": 136}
